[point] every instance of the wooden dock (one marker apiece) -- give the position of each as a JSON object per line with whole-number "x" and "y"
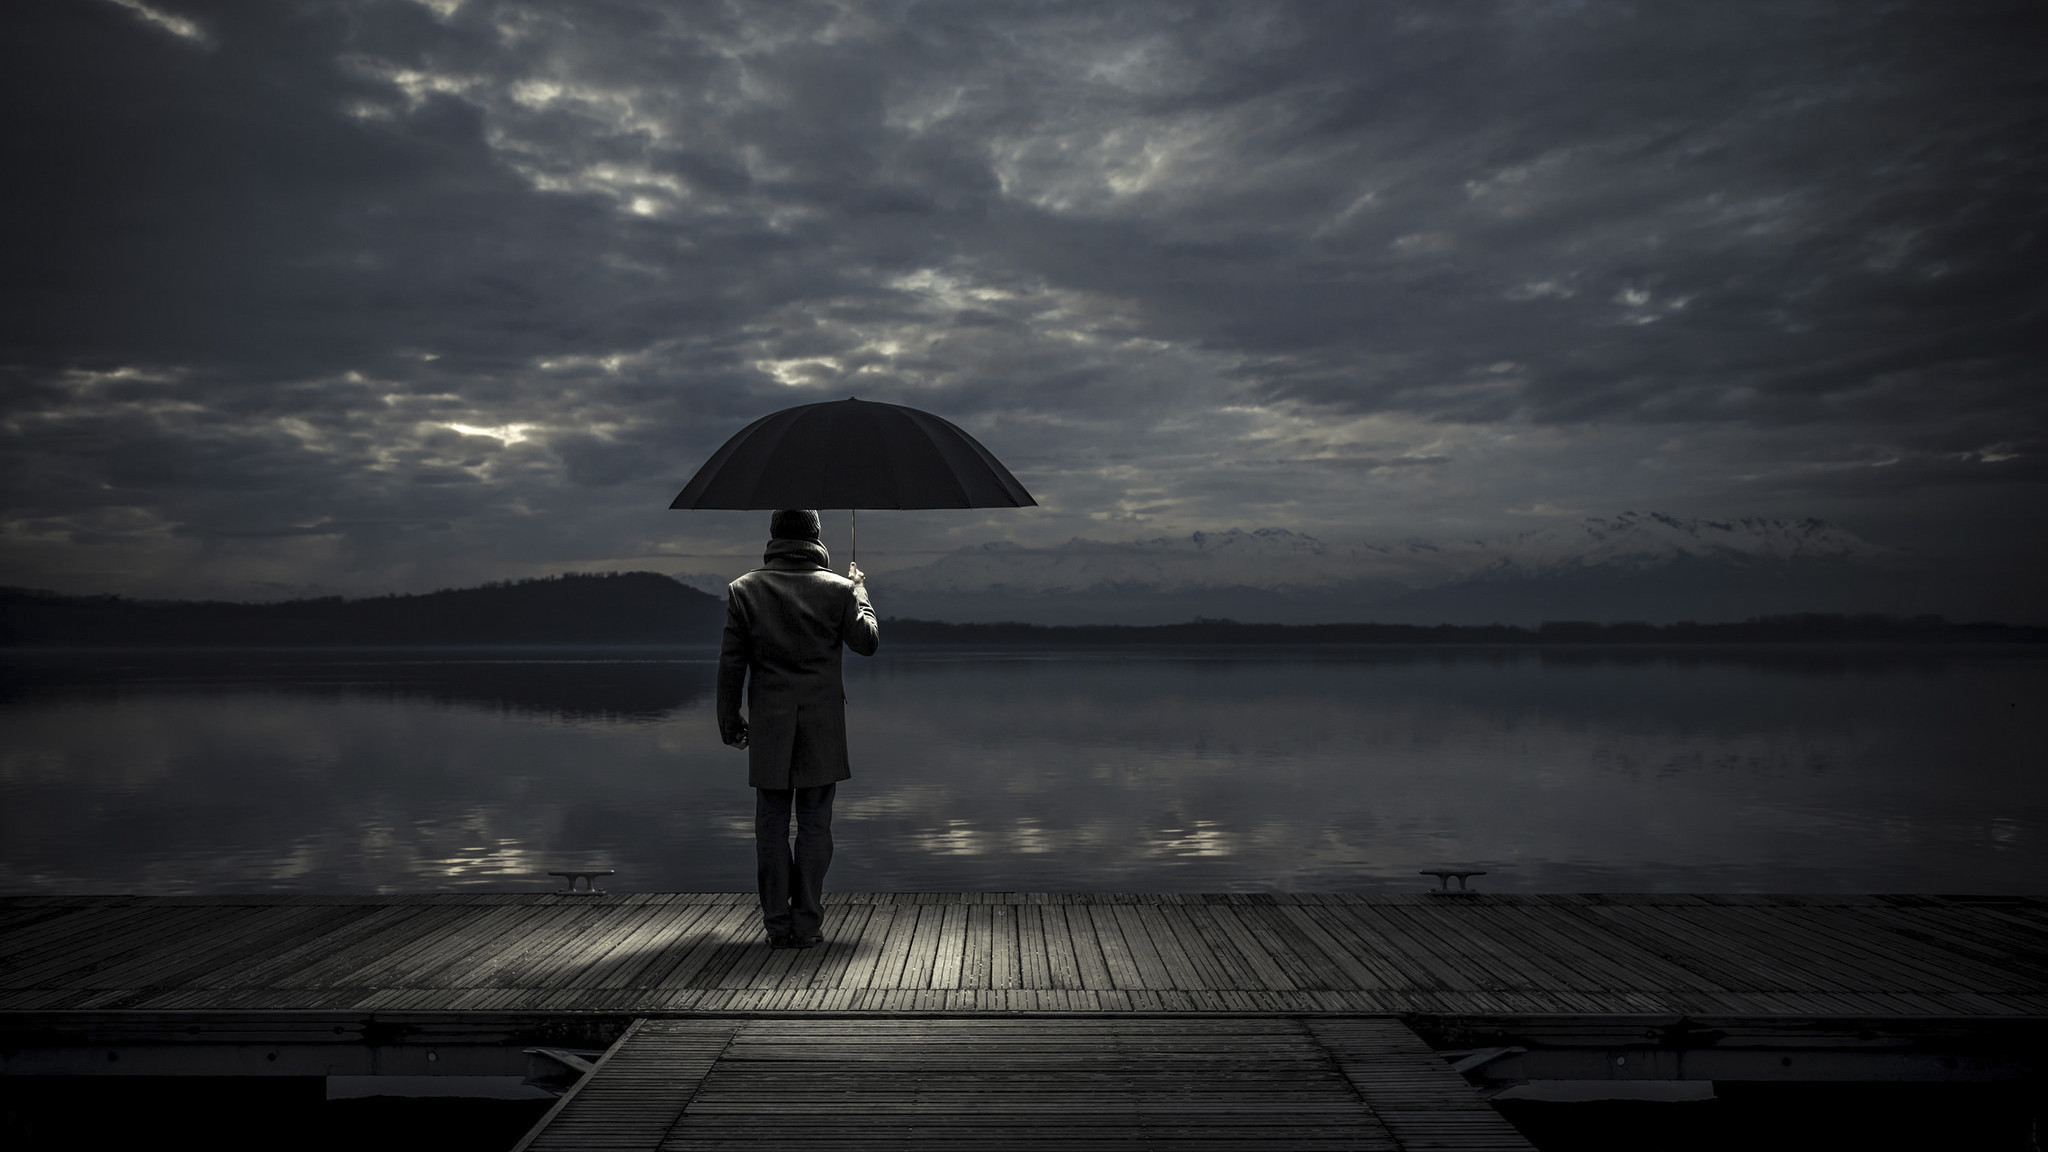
{"x": 1498, "y": 955}
{"x": 1012, "y": 1082}
{"x": 1075, "y": 1020}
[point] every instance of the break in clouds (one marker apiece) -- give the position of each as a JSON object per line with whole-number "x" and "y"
{"x": 386, "y": 296}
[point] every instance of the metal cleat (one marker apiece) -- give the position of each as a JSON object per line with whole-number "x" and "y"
{"x": 589, "y": 879}
{"x": 1443, "y": 880}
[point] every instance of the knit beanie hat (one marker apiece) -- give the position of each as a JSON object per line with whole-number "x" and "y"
{"x": 794, "y": 524}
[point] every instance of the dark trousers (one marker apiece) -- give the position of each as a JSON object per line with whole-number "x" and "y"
{"x": 792, "y": 881}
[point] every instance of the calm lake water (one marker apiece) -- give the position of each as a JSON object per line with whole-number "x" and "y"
{"x": 1184, "y": 770}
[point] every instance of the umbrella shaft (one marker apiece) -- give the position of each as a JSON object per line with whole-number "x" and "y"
{"x": 853, "y": 526}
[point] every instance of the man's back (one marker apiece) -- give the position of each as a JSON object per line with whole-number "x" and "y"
{"x": 795, "y": 620}
{"x": 785, "y": 624}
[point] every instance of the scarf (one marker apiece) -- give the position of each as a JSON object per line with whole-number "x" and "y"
{"x": 799, "y": 551}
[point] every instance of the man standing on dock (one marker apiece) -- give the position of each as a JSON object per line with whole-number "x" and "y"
{"x": 784, "y": 624}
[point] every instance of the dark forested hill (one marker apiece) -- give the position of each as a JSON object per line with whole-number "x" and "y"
{"x": 646, "y": 608}
{"x": 1809, "y": 628}
{"x": 609, "y": 608}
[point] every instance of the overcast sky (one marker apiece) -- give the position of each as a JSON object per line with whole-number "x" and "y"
{"x": 380, "y": 296}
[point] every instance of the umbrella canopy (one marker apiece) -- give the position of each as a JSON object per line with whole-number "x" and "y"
{"x": 852, "y": 454}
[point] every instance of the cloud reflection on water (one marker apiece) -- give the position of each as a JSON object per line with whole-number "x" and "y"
{"x": 1186, "y": 770}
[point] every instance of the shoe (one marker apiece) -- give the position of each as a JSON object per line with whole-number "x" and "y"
{"x": 806, "y": 941}
{"x": 783, "y": 942}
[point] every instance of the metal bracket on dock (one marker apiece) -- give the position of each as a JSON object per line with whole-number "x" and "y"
{"x": 1466, "y": 1062}
{"x": 1443, "y": 880}
{"x": 555, "y": 1069}
{"x": 589, "y": 879}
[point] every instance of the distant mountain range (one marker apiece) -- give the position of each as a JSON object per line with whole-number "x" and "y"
{"x": 1635, "y": 566}
{"x": 643, "y": 608}
{"x": 1629, "y": 568}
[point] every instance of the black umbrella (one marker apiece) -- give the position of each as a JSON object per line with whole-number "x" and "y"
{"x": 852, "y": 454}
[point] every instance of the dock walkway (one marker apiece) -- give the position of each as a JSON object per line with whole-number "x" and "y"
{"x": 1003, "y": 1019}
{"x": 650, "y": 954}
{"x": 1010, "y": 1082}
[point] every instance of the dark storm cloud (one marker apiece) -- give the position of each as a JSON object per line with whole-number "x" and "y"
{"x": 380, "y": 294}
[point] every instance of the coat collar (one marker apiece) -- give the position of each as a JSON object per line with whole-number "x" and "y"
{"x": 796, "y": 554}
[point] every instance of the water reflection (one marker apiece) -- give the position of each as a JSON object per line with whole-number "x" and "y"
{"x": 1176, "y": 770}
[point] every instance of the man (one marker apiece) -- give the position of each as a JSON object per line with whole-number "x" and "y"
{"x": 784, "y": 624}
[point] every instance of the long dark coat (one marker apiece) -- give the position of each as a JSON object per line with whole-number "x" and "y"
{"x": 784, "y": 625}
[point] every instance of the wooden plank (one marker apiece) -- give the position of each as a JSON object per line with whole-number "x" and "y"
{"x": 636, "y": 1092}
{"x": 1034, "y": 966}
{"x": 297, "y": 964}
{"x": 592, "y": 940}
{"x": 1764, "y": 972}
{"x": 1241, "y": 951}
{"x": 1062, "y": 959}
{"x": 72, "y": 935}
{"x": 977, "y": 957}
{"x": 630, "y": 964}
{"x": 888, "y": 969}
{"x": 1161, "y": 964}
{"x": 908, "y": 1084}
{"x": 508, "y": 960}
{"x": 1986, "y": 939}
{"x": 1807, "y": 959}
{"x": 711, "y": 938}
{"x": 1117, "y": 957}
{"x": 1711, "y": 961}
{"x": 868, "y": 948}
{"x": 1004, "y": 967}
{"x": 376, "y": 936}
{"x": 1413, "y": 1091}
{"x": 1642, "y": 967}
{"x": 1275, "y": 941}
{"x": 242, "y": 961}
{"x": 822, "y": 967}
{"x": 1212, "y": 965}
{"x": 471, "y": 940}
{"x": 1370, "y": 943}
{"x": 157, "y": 930}
{"x": 1484, "y": 964}
{"x": 924, "y": 944}
{"x": 745, "y": 956}
{"x": 373, "y": 961}
{"x": 1180, "y": 949}
{"x": 1905, "y": 959}
{"x": 1401, "y": 949}
{"x": 17, "y": 921}
{"x": 949, "y": 955}
{"x": 1341, "y": 969}
{"x": 227, "y": 938}
{"x": 1090, "y": 964}
{"x": 318, "y": 929}
{"x": 576, "y": 967}
{"x": 1598, "y": 961}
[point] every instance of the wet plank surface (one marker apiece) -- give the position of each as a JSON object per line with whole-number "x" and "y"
{"x": 1008, "y": 1082}
{"x": 1009, "y": 952}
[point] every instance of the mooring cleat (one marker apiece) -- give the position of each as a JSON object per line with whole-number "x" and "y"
{"x": 589, "y": 879}
{"x": 1443, "y": 880}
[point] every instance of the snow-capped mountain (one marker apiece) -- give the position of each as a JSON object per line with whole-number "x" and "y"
{"x": 1637, "y": 540}
{"x": 1630, "y": 566}
{"x": 1278, "y": 559}
{"x": 1266, "y": 558}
